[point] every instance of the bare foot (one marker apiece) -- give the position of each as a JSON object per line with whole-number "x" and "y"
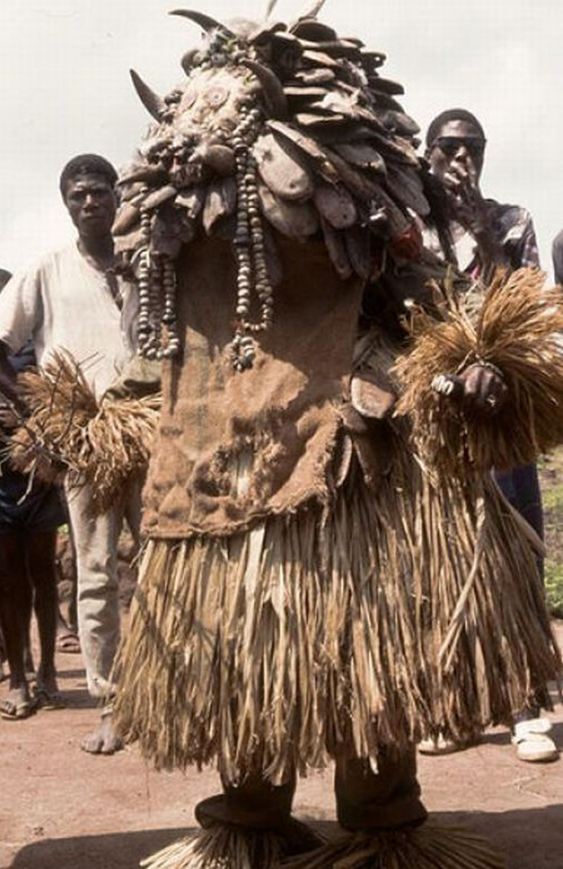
{"x": 103, "y": 740}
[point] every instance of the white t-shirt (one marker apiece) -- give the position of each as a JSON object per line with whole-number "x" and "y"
{"x": 63, "y": 302}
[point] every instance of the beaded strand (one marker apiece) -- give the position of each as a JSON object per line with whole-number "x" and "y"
{"x": 252, "y": 271}
{"x": 157, "y": 275}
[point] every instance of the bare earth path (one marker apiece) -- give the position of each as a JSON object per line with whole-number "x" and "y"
{"x": 62, "y": 809}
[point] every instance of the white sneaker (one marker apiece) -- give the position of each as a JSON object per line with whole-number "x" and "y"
{"x": 532, "y": 743}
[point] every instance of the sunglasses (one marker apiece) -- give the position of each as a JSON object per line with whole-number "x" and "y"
{"x": 450, "y": 145}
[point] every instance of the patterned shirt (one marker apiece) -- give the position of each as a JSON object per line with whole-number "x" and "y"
{"x": 513, "y": 228}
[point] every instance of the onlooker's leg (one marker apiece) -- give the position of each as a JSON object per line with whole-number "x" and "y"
{"x": 14, "y": 599}
{"x": 27, "y": 610}
{"x": 96, "y": 540}
{"x": 40, "y": 551}
{"x": 521, "y": 487}
{"x": 133, "y": 508}
{"x": 67, "y": 628}
{"x": 73, "y": 602}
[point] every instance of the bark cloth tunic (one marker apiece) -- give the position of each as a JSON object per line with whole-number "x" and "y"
{"x": 297, "y": 589}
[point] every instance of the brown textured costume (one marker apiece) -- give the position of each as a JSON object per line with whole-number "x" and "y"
{"x": 304, "y": 594}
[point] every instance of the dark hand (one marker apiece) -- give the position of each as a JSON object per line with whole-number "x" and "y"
{"x": 480, "y": 389}
{"x": 484, "y": 390}
{"x": 468, "y": 205}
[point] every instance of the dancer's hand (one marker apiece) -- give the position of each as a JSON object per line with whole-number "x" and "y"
{"x": 484, "y": 388}
{"x": 480, "y": 388}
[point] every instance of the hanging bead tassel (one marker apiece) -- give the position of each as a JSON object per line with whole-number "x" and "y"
{"x": 144, "y": 321}
{"x": 158, "y": 329}
{"x": 168, "y": 319}
{"x": 249, "y": 247}
{"x": 154, "y": 350}
{"x": 242, "y": 349}
{"x": 262, "y": 283}
{"x": 157, "y": 300}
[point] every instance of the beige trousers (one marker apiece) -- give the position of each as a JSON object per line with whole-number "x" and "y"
{"x": 96, "y": 540}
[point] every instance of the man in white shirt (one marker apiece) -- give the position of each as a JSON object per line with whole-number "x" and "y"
{"x": 72, "y": 299}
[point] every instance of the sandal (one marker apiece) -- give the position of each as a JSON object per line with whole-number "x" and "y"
{"x": 10, "y": 710}
{"x": 68, "y": 643}
{"x": 49, "y": 700}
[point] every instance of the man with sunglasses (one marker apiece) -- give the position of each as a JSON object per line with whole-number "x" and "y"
{"x": 478, "y": 235}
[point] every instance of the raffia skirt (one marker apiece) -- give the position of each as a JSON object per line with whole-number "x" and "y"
{"x": 388, "y": 614}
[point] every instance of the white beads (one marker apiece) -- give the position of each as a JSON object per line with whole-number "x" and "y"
{"x": 157, "y": 299}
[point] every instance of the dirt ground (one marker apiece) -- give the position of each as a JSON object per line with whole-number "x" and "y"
{"x": 63, "y": 809}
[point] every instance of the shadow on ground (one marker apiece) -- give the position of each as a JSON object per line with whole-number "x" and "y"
{"x": 111, "y": 851}
{"x": 530, "y": 839}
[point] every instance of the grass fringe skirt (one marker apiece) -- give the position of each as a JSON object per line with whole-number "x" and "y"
{"x": 427, "y": 847}
{"x": 219, "y": 847}
{"x": 399, "y": 612}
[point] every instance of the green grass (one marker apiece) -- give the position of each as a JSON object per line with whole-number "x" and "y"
{"x": 551, "y": 475}
{"x": 553, "y": 499}
{"x": 554, "y": 588}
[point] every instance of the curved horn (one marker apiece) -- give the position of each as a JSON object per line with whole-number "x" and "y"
{"x": 154, "y": 104}
{"x": 204, "y": 21}
{"x": 276, "y": 100}
{"x": 270, "y": 8}
{"x": 310, "y": 10}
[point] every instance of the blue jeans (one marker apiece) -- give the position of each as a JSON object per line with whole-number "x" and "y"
{"x": 521, "y": 487}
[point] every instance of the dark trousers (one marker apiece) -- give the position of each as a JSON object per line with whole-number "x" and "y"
{"x": 365, "y": 800}
{"x": 521, "y": 487}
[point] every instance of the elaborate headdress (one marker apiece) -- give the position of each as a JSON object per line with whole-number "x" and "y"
{"x": 276, "y": 126}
